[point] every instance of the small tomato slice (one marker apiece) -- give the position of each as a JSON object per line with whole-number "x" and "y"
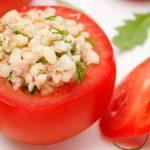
{"x": 129, "y": 111}
{"x": 72, "y": 108}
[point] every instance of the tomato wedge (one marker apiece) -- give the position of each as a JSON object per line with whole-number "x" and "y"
{"x": 129, "y": 111}
{"x": 72, "y": 108}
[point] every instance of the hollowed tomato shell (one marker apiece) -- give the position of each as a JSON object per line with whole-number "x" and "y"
{"x": 37, "y": 119}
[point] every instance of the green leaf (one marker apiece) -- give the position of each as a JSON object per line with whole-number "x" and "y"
{"x": 68, "y": 41}
{"x": 133, "y": 32}
{"x": 92, "y": 42}
{"x": 51, "y": 18}
{"x": 18, "y": 32}
{"x": 1, "y": 43}
{"x": 61, "y": 32}
{"x": 81, "y": 72}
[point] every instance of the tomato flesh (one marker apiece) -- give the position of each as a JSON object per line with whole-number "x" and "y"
{"x": 6, "y": 5}
{"x": 129, "y": 110}
{"x": 72, "y": 108}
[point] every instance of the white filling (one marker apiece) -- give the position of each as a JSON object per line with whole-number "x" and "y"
{"x": 40, "y": 49}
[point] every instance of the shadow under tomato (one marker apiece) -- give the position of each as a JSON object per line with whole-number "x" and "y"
{"x": 84, "y": 141}
{"x": 130, "y": 142}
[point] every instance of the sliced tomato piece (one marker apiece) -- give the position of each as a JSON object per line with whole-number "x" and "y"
{"x": 72, "y": 108}
{"x": 129, "y": 111}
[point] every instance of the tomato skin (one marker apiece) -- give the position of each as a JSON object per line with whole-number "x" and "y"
{"x": 44, "y": 122}
{"x": 129, "y": 110}
{"x": 6, "y": 5}
{"x": 51, "y": 125}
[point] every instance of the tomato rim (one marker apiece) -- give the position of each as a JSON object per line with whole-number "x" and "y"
{"x": 20, "y": 104}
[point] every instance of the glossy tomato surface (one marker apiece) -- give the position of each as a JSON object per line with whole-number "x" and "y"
{"x": 72, "y": 108}
{"x": 6, "y": 5}
{"x": 129, "y": 111}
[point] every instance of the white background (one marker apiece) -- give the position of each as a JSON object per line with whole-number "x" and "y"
{"x": 108, "y": 14}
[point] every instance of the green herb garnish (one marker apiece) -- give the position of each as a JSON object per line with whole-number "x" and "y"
{"x": 1, "y": 43}
{"x": 51, "y": 18}
{"x": 18, "y": 32}
{"x": 92, "y": 42}
{"x": 60, "y": 54}
{"x": 74, "y": 51}
{"x": 42, "y": 60}
{"x": 133, "y": 32}
{"x": 81, "y": 72}
{"x": 34, "y": 90}
{"x": 61, "y": 32}
{"x": 8, "y": 80}
{"x": 78, "y": 34}
{"x": 8, "y": 25}
{"x": 68, "y": 41}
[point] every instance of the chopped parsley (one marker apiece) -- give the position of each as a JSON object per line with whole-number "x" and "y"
{"x": 68, "y": 41}
{"x": 18, "y": 32}
{"x": 81, "y": 72}
{"x": 61, "y": 32}
{"x": 51, "y": 18}
{"x": 9, "y": 26}
{"x": 92, "y": 42}
{"x": 78, "y": 34}
{"x": 1, "y": 43}
{"x": 74, "y": 51}
{"x": 42, "y": 60}
{"x": 8, "y": 80}
{"x": 60, "y": 54}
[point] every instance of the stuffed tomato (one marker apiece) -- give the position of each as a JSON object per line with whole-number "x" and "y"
{"x": 57, "y": 73}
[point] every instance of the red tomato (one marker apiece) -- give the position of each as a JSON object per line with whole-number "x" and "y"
{"x": 129, "y": 111}
{"x": 6, "y": 5}
{"x": 40, "y": 119}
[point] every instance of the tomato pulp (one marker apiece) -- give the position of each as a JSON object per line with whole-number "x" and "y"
{"x": 129, "y": 111}
{"x": 47, "y": 119}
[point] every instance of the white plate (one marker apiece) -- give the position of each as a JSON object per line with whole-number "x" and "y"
{"x": 109, "y": 14}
